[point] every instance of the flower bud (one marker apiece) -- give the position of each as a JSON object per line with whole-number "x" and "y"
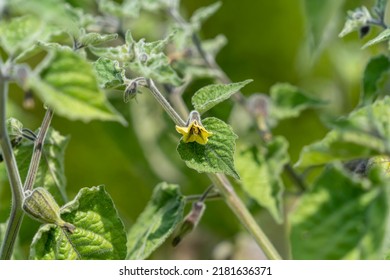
{"x": 40, "y": 205}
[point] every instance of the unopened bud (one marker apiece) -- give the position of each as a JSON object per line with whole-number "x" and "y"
{"x": 40, "y": 205}
{"x": 190, "y": 222}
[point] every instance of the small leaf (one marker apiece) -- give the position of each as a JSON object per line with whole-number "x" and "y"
{"x": 217, "y": 155}
{"x": 376, "y": 68}
{"x": 209, "y": 96}
{"x": 108, "y": 72}
{"x": 68, "y": 84}
{"x": 342, "y": 217}
{"x": 203, "y": 13}
{"x": 289, "y": 101}
{"x": 99, "y": 233}
{"x": 213, "y": 46}
{"x": 19, "y": 33}
{"x": 364, "y": 133}
{"x": 92, "y": 39}
{"x": 156, "y": 223}
{"x": 51, "y": 171}
{"x": 260, "y": 169}
{"x": 383, "y": 36}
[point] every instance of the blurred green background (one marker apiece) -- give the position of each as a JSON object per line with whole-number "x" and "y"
{"x": 269, "y": 42}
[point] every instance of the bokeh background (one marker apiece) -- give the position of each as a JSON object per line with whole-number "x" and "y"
{"x": 269, "y": 42}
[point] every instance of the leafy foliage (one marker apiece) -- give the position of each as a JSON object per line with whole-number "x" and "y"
{"x": 99, "y": 232}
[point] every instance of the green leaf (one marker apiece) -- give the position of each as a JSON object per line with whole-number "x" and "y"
{"x": 156, "y": 223}
{"x": 289, "y": 101}
{"x": 92, "y": 39}
{"x": 108, "y": 72}
{"x": 68, "y": 84}
{"x": 320, "y": 19}
{"x": 342, "y": 217}
{"x": 260, "y": 169}
{"x": 204, "y": 13}
{"x": 19, "y": 33}
{"x": 51, "y": 171}
{"x": 377, "y": 68}
{"x": 213, "y": 46}
{"x": 383, "y": 36}
{"x": 217, "y": 156}
{"x": 99, "y": 232}
{"x": 364, "y": 133}
{"x": 209, "y": 96}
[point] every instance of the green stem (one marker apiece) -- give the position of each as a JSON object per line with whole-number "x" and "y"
{"x": 37, "y": 152}
{"x": 16, "y": 214}
{"x": 223, "y": 185}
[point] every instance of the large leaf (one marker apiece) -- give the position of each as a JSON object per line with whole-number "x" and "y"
{"x": 342, "y": 217}
{"x": 217, "y": 156}
{"x": 365, "y": 132}
{"x": 68, "y": 85}
{"x": 99, "y": 232}
{"x": 51, "y": 172}
{"x": 260, "y": 169}
{"x": 209, "y": 96}
{"x": 289, "y": 101}
{"x": 376, "y": 69}
{"x": 156, "y": 223}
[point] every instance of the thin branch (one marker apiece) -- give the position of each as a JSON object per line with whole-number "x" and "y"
{"x": 37, "y": 152}
{"x": 16, "y": 214}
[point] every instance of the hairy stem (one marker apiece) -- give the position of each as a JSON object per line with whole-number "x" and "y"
{"x": 224, "y": 187}
{"x": 37, "y": 152}
{"x": 16, "y": 214}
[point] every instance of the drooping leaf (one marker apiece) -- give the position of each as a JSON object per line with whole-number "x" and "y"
{"x": 342, "y": 217}
{"x": 209, "y": 96}
{"x": 19, "y": 33}
{"x": 217, "y": 156}
{"x": 68, "y": 84}
{"x": 288, "y": 101}
{"x": 364, "y": 133}
{"x": 51, "y": 171}
{"x": 157, "y": 221}
{"x": 99, "y": 232}
{"x": 260, "y": 169}
{"x": 109, "y": 73}
{"x": 376, "y": 69}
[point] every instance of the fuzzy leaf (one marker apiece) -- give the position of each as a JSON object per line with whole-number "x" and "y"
{"x": 68, "y": 84}
{"x": 109, "y": 73}
{"x": 99, "y": 232}
{"x": 342, "y": 217}
{"x": 383, "y": 36}
{"x": 376, "y": 69}
{"x": 51, "y": 171}
{"x": 156, "y": 223}
{"x": 19, "y": 33}
{"x": 204, "y": 13}
{"x": 364, "y": 133}
{"x": 209, "y": 96}
{"x": 289, "y": 101}
{"x": 91, "y": 39}
{"x": 217, "y": 156}
{"x": 260, "y": 169}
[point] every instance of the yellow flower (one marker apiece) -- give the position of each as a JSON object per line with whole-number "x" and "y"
{"x": 194, "y": 132}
